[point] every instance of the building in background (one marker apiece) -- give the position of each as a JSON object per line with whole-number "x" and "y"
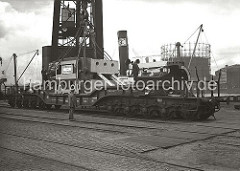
{"x": 223, "y": 79}
{"x": 230, "y": 78}
{"x": 3, "y": 77}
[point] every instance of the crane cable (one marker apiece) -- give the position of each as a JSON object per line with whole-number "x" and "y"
{"x": 106, "y": 55}
{"x": 25, "y": 53}
{"x": 69, "y": 49}
{"x": 192, "y": 35}
{"x": 211, "y": 53}
{"x": 98, "y": 49}
{"x": 35, "y": 54}
{"x": 200, "y": 28}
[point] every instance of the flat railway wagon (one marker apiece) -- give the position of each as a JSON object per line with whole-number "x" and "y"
{"x": 119, "y": 95}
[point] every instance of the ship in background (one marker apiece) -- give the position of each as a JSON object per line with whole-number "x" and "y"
{"x": 200, "y": 61}
{"x": 175, "y": 52}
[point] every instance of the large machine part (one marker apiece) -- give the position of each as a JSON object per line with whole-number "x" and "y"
{"x": 173, "y": 70}
{"x": 70, "y": 20}
{"x": 123, "y": 51}
{"x": 99, "y": 69}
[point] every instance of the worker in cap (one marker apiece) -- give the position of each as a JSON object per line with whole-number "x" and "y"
{"x": 72, "y": 101}
{"x": 135, "y": 69}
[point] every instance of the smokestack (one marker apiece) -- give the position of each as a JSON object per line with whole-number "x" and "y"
{"x": 123, "y": 51}
{"x": 178, "y": 45}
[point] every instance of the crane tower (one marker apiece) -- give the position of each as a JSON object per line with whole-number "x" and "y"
{"x": 77, "y": 30}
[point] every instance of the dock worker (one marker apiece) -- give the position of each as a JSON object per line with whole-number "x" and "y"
{"x": 129, "y": 66}
{"x": 44, "y": 74}
{"x": 72, "y": 101}
{"x": 135, "y": 69}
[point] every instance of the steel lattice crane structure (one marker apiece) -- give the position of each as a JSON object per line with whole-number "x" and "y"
{"x": 77, "y": 30}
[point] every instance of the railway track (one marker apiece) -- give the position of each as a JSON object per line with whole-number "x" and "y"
{"x": 104, "y": 114}
{"x": 80, "y": 168}
{"x": 51, "y": 123}
{"x": 109, "y": 127}
{"x": 112, "y": 127}
{"x": 115, "y": 128}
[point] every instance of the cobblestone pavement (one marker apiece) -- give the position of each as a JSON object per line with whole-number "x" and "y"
{"x": 74, "y": 146}
{"x": 207, "y": 155}
{"x": 12, "y": 160}
{"x": 77, "y": 156}
{"x": 46, "y": 140}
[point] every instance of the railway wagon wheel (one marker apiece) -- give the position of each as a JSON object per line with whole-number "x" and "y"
{"x": 134, "y": 111}
{"x": 110, "y": 108}
{"x": 127, "y": 110}
{"x": 57, "y": 107}
{"x": 33, "y": 104}
{"x": 153, "y": 112}
{"x": 48, "y": 106}
{"x": 119, "y": 109}
{"x": 11, "y": 102}
{"x": 188, "y": 115}
{"x": 19, "y": 103}
{"x": 237, "y": 107}
{"x": 42, "y": 105}
{"x": 171, "y": 113}
{"x": 145, "y": 112}
{"x": 178, "y": 112}
{"x": 25, "y": 103}
{"x": 113, "y": 109}
{"x": 203, "y": 113}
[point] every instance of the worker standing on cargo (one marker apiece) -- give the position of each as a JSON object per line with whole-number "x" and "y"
{"x": 44, "y": 74}
{"x": 129, "y": 64}
{"x": 72, "y": 104}
{"x": 135, "y": 69}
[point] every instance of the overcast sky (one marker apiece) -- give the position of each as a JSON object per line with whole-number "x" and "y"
{"x": 26, "y": 25}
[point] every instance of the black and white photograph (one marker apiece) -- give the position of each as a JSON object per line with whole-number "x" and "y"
{"x": 119, "y": 85}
